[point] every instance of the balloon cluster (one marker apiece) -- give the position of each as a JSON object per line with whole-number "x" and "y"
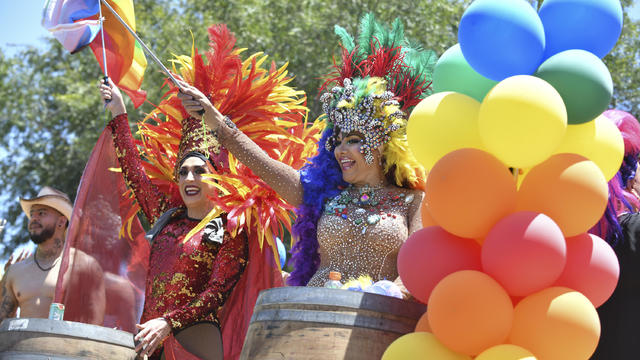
{"x": 519, "y": 157}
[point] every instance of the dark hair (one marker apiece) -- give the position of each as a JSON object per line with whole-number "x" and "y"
{"x": 197, "y": 154}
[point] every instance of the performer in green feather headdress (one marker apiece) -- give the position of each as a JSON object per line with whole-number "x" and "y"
{"x": 359, "y": 198}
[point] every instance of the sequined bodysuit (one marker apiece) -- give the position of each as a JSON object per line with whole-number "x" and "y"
{"x": 343, "y": 245}
{"x": 363, "y": 239}
{"x": 186, "y": 283}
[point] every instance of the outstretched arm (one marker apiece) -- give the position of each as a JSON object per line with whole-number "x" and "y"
{"x": 281, "y": 177}
{"x": 151, "y": 200}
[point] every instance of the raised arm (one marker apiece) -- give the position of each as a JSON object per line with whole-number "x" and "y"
{"x": 151, "y": 200}
{"x": 280, "y": 177}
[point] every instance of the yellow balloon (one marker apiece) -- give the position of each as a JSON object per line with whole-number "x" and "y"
{"x": 419, "y": 346}
{"x": 598, "y": 140}
{"x": 522, "y": 121}
{"x": 442, "y": 123}
{"x": 506, "y": 352}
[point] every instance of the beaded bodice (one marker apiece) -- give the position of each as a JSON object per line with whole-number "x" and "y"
{"x": 361, "y": 231}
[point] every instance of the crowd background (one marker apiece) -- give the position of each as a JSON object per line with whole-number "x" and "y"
{"x": 51, "y": 118}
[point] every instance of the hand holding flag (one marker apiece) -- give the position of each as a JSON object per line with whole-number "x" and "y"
{"x": 76, "y": 24}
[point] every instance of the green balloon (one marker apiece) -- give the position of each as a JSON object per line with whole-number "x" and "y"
{"x": 453, "y": 73}
{"x": 583, "y": 81}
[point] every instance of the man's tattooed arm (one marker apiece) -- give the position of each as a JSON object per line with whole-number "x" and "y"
{"x": 8, "y": 304}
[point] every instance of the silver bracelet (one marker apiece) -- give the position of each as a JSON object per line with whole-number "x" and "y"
{"x": 227, "y": 121}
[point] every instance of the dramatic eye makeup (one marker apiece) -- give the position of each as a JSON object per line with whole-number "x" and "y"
{"x": 198, "y": 170}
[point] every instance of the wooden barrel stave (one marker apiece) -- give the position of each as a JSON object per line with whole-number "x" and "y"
{"x": 10, "y": 355}
{"x": 44, "y": 338}
{"x": 316, "y": 323}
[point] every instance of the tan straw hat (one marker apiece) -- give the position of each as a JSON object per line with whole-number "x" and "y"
{"x": 50, "y": 197}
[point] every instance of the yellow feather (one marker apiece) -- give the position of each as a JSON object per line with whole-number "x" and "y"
{"x": 214, "y": 213}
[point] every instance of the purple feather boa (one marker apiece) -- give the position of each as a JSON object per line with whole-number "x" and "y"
{"x": 321, "y": 180}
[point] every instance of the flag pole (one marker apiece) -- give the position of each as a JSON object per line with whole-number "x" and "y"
{"x": 144, "y": 46}
{"x": 104, "y": 52}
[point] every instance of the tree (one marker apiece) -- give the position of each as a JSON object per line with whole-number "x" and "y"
{"x": 52, "y": 114}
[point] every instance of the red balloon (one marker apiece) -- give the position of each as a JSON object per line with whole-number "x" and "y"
{"x": 525, "y": 252}
{"x": 592, "y": 268}
{"x": 430, "y": 254}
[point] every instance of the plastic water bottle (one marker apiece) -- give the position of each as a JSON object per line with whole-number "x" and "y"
{"x": 334, "y": 280}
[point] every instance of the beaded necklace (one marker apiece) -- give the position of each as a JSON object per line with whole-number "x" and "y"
{"x": 372, "y": 204}
{"x": 35, "y": 259}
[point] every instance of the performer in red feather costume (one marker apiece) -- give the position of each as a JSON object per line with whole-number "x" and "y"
{"x": 210, "y": 214}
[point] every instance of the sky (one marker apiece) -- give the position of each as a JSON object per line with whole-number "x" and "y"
{"x": 20, "y": 23}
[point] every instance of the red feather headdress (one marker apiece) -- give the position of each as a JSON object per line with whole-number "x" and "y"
{"x": 262, "y": 105}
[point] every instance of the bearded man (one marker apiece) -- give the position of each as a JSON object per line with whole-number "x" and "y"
{"x": 30, "y": 284}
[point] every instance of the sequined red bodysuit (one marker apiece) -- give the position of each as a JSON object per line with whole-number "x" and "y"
{"x": 186, "y": 283}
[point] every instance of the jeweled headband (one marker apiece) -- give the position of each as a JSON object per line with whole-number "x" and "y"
{"x": 367, "y": 116}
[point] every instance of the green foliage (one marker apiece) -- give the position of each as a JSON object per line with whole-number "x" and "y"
{"x": 624, "y": 64}
{"x": 52, "y": 114}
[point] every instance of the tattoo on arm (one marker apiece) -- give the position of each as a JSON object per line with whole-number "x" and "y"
{"x": 9, "y": 303}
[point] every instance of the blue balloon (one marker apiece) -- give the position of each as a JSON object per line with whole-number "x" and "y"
{"x": 282, "y": 252}
{"x": 501, "y": 38}
{"x": 591, "y": 25}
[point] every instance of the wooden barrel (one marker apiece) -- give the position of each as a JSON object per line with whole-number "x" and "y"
{"x": 40, "y": 339}
{"x": 308, "y": 323}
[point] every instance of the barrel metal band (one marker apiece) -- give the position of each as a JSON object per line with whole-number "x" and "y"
{"x": 331, "y": 318}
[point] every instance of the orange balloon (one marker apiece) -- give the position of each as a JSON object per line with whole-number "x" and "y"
{"x": 423, "y": 324}
{"x": 569, "y": 189}
{"x": 468, "y": 191}
{"x": 427, "y": 219}
{"x": 470, "y": 312}
{"x": 556, "y": 323}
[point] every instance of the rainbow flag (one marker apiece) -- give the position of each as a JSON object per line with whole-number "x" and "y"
{"x": 75, "y": 24}
{"x": 66, "y": 21}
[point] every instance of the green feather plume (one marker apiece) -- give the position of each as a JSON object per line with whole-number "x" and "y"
{"x": 345, "y": 38}
{"x": 396, "y": 36}
{"x": 368, "y": 28}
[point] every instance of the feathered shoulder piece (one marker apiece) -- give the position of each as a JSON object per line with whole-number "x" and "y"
{"x": 261, "y": 103}
{"x": 379, "y": 52}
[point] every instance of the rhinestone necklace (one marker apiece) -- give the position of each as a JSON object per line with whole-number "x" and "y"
{"x": 372, "y": 204}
